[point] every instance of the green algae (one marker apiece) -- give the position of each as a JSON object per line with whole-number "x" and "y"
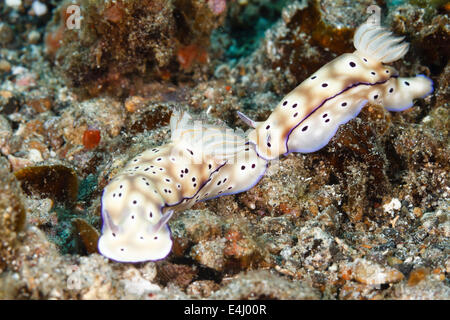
{"x": 246, "y": 25}
{"x": 62, "y": 234}
{"x": 87, "y": 187}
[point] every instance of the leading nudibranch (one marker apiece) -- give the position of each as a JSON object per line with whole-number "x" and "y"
{"x": 309, "y": 116}
{"x": 203, "y": 162}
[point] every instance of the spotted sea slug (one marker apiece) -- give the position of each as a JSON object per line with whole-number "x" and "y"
{"x": 203, "y": 161}
{"x": 309, "y": 116}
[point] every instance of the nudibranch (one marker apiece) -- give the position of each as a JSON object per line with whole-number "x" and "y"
{"x": 204, "y": 161}
{"x": 309, "y": 116}
{"x": 201, "y": 162}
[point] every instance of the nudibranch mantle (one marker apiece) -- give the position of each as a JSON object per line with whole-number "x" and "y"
{"x": 309, "y": 116}
{"x": 200, "y": 163}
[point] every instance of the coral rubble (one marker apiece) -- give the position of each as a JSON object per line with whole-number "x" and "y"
{"x": 365, "y": 217}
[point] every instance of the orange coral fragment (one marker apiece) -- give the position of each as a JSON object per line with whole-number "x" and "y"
{"x": 53, "y": 40}
{"x": 416, "y": 276}
{"x": 114, "y": 13}
{"x": 189, "y": 54}
{"x": 165, "y": 75}
{"x": 91, "y": 138}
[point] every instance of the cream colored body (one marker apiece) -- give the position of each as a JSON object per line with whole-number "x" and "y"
{"x": 201, "y": 163}
{"x": 308, "y": 116}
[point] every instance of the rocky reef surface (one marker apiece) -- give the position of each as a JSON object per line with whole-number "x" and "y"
{"x": 366, "y": 217}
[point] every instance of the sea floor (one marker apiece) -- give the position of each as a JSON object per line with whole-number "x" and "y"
{"x": 365, "y": 217}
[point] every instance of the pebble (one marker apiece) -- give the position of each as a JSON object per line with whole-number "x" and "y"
{"x": 33, "y": 37}
{"x": 5, "y": 133}
{"x": 35, "y": 155}
{"x": 6, "y": 34}
{"x": 210, "y": 253}
{"x": 368, "y": 272}
{"x": 18, "y": 163}
{"x": 203, "y": 288}
{"x": 14, "y": 3}
{"x": 417, "y": 212}
{"x": 5, "y": 66}
{"x": 392, "y": 206}
{"x": 134, "y": 103}
{"x": 39, "y": 8}
{"x": 417, "y": 276}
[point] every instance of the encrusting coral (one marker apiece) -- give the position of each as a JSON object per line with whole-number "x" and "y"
{"x": 121, "y": 42}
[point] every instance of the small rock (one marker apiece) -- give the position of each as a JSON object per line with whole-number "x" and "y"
{"x": 210, "y": 253}
{"x": 9, "y": 103}
{"x": 392, "y": 206}
{"x": 417, "y": 212}
{"x": 19, "y": 163}
{"x": 5, "y": 133}
{"x": 368, "y": 272}
{"x": 12, "y": 214}
{"x": 134, "y": 103}
{"x": 135, "y": 284}
{"x": 357, "y": 291}
{"x": 33, "y": 37}
{"x": 392, "y": 261}
{"x": 178, "y": 274}
{"x": 417, "y": 276}
{"x": 261, "y": 284}
{"x": 35, "y": 155}
{"x": 6, "y": 34}
{"x": 39, "y": 8}
{"x": 41, "y": 104}
{"x": 202, "y": 288}
{"x": 5, "y": 66}
{"x": 14, "y": 3}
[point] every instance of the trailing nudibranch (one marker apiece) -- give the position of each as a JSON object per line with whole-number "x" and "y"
{"x": 203, "y": 162}
{"x": 309, "y": 116}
